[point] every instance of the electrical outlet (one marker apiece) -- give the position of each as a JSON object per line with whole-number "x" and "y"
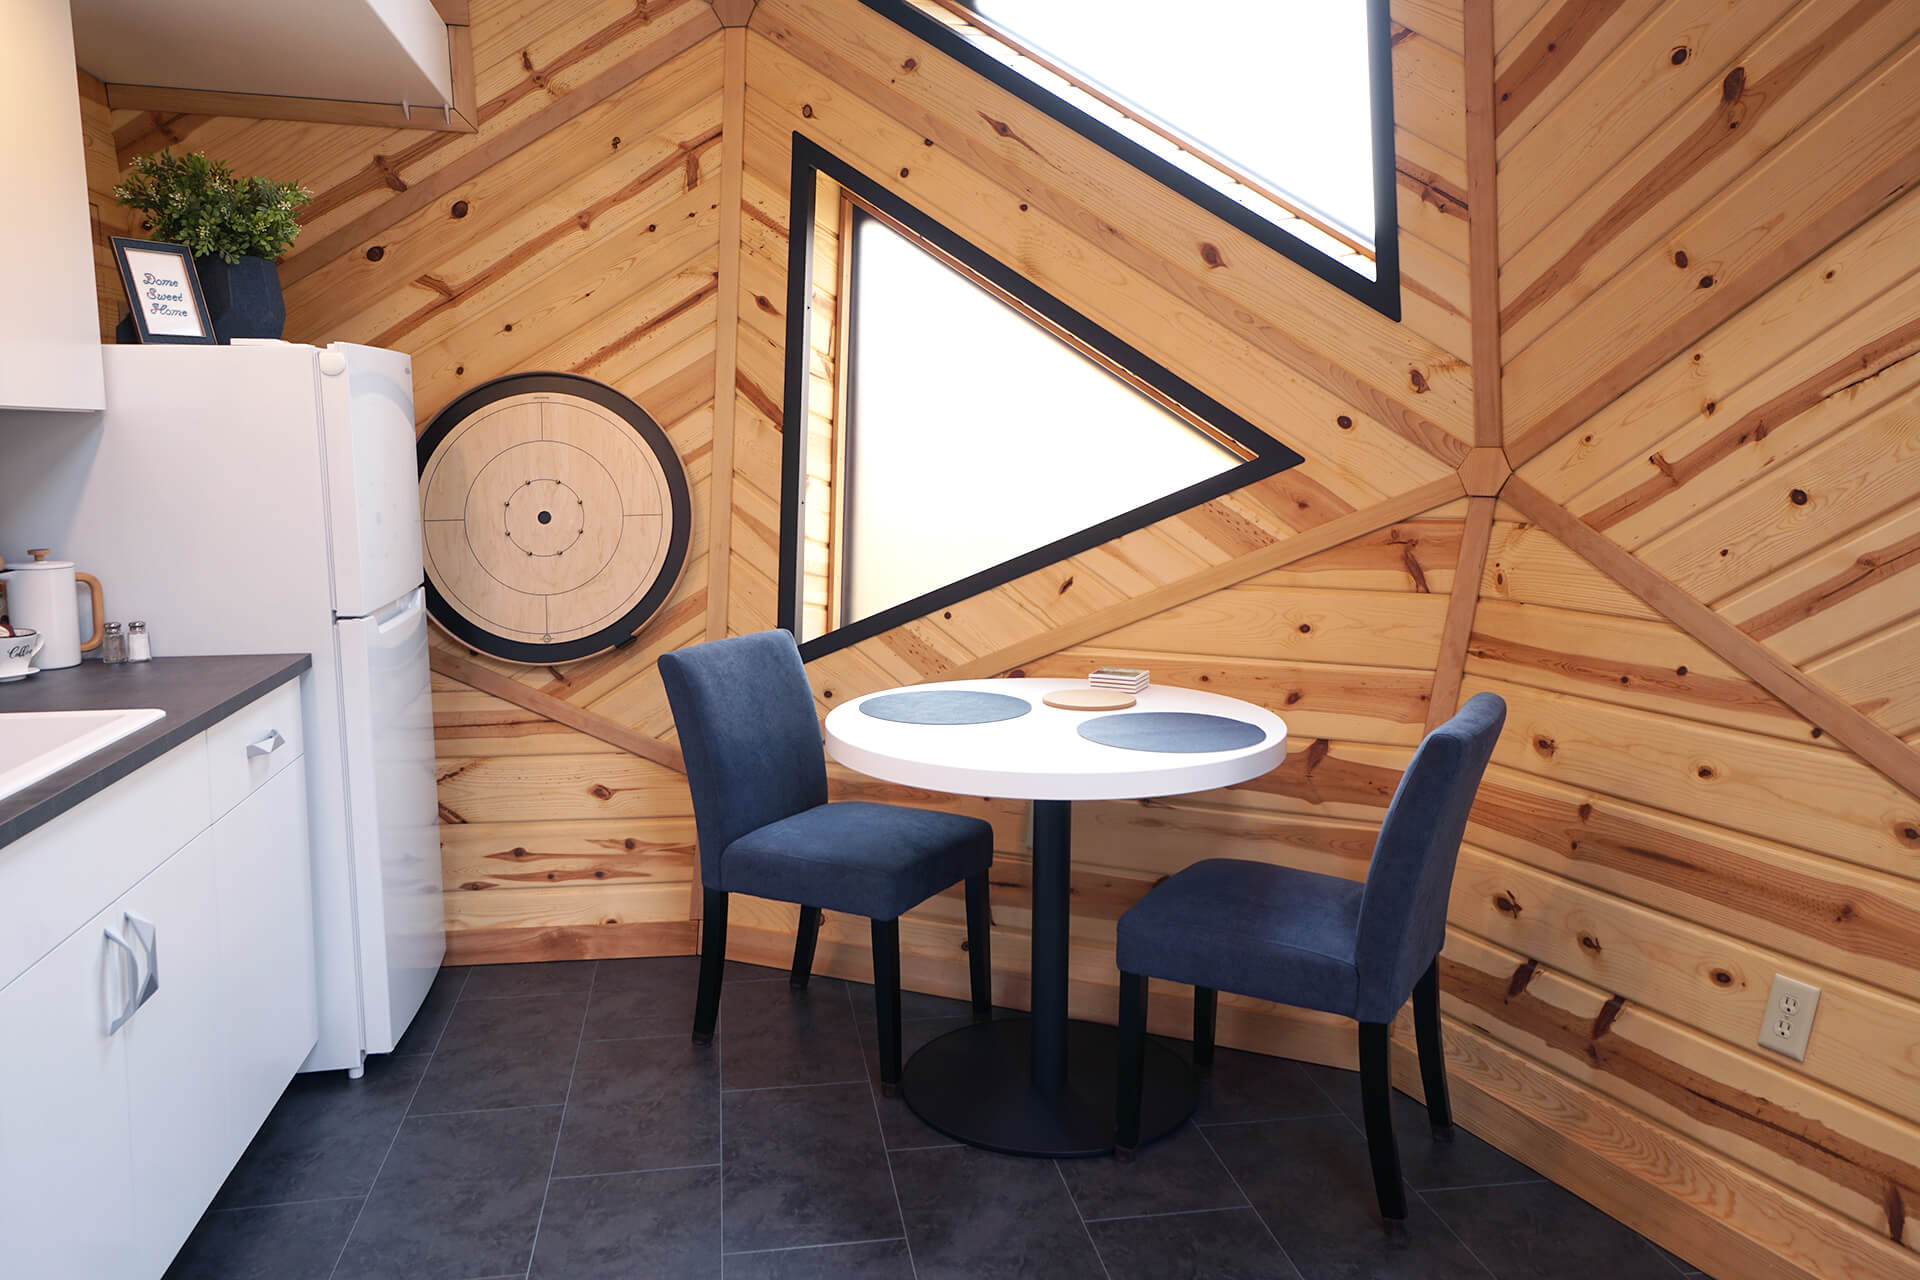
{"x": 1788, "y": 1020}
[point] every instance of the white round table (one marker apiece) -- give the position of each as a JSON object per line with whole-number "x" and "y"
{"x": 1044, "y": 1085}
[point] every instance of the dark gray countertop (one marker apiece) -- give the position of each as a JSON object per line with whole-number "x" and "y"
{"x": 195, "y": 693}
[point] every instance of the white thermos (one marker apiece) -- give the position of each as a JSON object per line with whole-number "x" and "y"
{"x": 40, "y": 598}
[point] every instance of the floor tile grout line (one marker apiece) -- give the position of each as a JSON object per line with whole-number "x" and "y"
{"x": 394, "y": 1141}
{"x": 282, "y": 1204}
{"x": 828, "y": 1244}
{"x": 1085, "y": 1230}
{"x": 811, "y": 1084}
{"x": 880, "y": 1131}
{"x": 553, "y": 1162}
{"x": 1168, "y": 1213}
{"x": 1448, "y": 1228}
{"x": 483, "y": 1111}
{"x": 1258, "y": 1216}
{"x": 1481, "y": 1186}
{"x": 632, "y": 1173}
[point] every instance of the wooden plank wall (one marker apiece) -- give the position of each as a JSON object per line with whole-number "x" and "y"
{"x": 1694, "y": 246}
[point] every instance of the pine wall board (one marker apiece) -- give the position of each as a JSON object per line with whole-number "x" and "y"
{"x": 1694, "y": 237}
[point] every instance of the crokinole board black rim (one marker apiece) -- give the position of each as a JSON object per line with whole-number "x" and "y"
{"x": 464, "y": 406}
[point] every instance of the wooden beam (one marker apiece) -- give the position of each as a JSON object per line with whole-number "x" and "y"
{"x": 1356, "y": 524}
{"x": 1483, "y": 226}
{"x": 734, "y": 13}
{"x": 1485, "y": 472}
{"x": 507, "y": 689}
{"x": 726, "y": 397}
{"x": 268, "y": 106}
{"x": 455, "y": 13}
{"x": 1450, "y": 668}
{"x": 466, "y": 101}
{"x": 1873, "y": 744}
{"x": 496, "y": 148}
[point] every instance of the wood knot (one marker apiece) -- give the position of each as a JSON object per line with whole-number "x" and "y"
{"x": 1706, "y": 282}
{"x": 1798, "y": 497}
{"x": 1585, "y": 811}
{"x": 1293, "y": 696}
{"x": 1522, "y": 975}
{"x": 1603, "y": 1021}
{"x": 1505, "y": 904}
{"x": 806, "y": 111}
{"x": 1305, "y": 628}
{"x": 1722, "y": 978}
{"x": 1734, "y": 85}
{"x": 1679, "y": 55}
{"x": 375, "y": 253}
{"x": 459, "y": 209}
{"x": 516, "y": 852}
{"x": 1705, "y": 771}
{"x": 1590, "y": 943}
{"x": 600, "y": 791}
{"x": 1343, "y": 422}
{"x": 1063, "y": 587}
{"x": 1844, "y": 914}
{"x": 1544, "y": 745}
{"x": 1680, "y": 258}
{"x": 911, "y": 64}
{"x": 1211, "y": 255}
{"x": 1418, "y": 380}
{"x": 903, "y": 171}
{"x": 1680, "y": 670}
{"x": 1908, "y": 832}
{"x": 765, "y": 303}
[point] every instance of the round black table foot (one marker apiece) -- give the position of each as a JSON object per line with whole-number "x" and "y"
{"x": 975, "y": 1084}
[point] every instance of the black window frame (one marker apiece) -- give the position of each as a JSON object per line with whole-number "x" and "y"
{"x": 1382, "y": 293}
{"x": 1266, "y": 455}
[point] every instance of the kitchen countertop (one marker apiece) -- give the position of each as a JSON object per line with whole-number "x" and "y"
{"x": 195, "y": 693}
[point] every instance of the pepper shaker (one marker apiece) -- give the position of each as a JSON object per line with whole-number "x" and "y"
{"x": 113, "y": 647}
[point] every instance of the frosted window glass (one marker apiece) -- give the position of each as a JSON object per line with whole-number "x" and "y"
{"x": 976, "y": 436}
{"x": 1281, "y": 89}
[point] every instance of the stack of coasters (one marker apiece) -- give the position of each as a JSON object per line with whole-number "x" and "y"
{"x": 1125, "y": 679}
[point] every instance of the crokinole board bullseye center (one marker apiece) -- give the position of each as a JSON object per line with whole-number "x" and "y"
{"x": 556, "y": 517}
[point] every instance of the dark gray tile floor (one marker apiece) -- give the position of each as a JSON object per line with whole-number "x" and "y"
{"x": 555, "y": 1121}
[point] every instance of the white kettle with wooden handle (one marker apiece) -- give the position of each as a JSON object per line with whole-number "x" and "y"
{"x": 40, "y": 598}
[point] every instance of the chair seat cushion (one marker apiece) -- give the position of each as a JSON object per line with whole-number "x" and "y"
{"x": 1270, "y": 932}
{"x": 875, "y": 860}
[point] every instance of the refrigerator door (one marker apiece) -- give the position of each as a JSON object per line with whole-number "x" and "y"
{"x": 392, "y": 812}
{"x": 373, "y": 483}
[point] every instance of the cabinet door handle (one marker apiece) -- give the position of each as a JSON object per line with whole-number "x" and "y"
{"x": 267, "y": 745}
{"x": 148, "y": 937}
{"x": 129, "y": 983}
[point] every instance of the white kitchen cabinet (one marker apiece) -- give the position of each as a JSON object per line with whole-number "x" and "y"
{"x": 66, "y": 1182}
{"x": 49, "y": 327}
{"x": 143, "y": 1051}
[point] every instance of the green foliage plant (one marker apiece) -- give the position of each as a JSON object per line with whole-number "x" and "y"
{"x": 197, "y": 202}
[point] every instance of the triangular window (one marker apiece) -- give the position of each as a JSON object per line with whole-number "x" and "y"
{"x": 955, "y": 427}
{"x": 1276, "y": 116}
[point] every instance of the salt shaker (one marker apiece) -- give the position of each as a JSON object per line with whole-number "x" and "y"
{"x": 139, "y": 648}
{"x": 113, "y": 647}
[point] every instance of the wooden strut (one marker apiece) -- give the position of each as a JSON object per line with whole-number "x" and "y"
{"x": 594, "y": 725}
{"x": 1876, "y": 746}
{"x": 1450, "y": 668}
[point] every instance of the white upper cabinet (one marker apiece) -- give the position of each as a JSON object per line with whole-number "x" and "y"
{"x": 49, "y": 322}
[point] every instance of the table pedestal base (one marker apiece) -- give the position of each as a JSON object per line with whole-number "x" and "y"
{"x": 976, "y": 1085}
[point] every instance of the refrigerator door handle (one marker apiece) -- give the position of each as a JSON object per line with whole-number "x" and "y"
{"x": 403, "y": 612}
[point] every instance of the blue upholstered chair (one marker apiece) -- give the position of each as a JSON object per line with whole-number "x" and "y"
{"x": 1320, "y": 942}
{"x": 751, "y": 739}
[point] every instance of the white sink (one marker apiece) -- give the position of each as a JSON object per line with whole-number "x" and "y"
{"x": 34, "y": 744}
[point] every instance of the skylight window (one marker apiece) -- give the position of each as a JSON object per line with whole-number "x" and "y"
{"x": 1273, "y": 114}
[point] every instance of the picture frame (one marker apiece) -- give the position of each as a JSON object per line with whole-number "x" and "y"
{"x": 163, "y": 290}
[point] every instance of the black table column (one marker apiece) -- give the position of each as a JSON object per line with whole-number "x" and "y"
{"x": 1052, "y": 928}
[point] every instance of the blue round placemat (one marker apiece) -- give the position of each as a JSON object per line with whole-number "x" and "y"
{"x": 946, "y": 706}
{"x": 1172, "y": 731}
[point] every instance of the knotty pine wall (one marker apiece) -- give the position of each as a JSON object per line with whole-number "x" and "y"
{"x": 1697, "y": 593}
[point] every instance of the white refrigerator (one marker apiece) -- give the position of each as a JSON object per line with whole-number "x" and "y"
{"x": 263, "y": 498}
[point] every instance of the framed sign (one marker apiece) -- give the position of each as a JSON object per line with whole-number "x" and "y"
{"x": 556, "y": 515}
{"x": 164, "y": 291}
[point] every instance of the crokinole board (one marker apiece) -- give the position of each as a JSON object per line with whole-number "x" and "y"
{"x": 556, "y": 517}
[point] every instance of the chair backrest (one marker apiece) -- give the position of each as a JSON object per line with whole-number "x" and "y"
{"x": 749, "y": 734}
{"x": 1403, "y": 911}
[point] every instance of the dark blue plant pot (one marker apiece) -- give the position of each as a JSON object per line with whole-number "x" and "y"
{"x": 243, "y": 298}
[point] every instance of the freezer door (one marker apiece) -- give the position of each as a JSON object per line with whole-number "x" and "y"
{"x": 392, "y": 813}
{"x": 373, "y": 485}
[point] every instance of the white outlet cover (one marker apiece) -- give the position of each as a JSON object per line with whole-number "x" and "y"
{"x": 1788, "y": 1021}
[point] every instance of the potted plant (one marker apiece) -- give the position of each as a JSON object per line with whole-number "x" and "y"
{"x": 234, "y": 227}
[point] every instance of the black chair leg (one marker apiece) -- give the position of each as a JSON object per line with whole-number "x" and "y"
{"x": 1376, "y": 1103}
{"x": 1433, "y": 1059}
{"x": 980, "y": 947}
{"x": 713, "y": 962}
{"x": 1133, "y": 1056}
{"x": 1206, "y": 1003}
{"x": 886, "y": 1001}
{"x": 803, "y": 943}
